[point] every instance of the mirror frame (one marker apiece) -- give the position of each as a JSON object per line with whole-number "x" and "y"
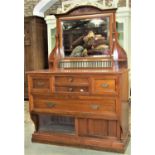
{"x": 69, "y": 18}
{"x": 81, "y": 12}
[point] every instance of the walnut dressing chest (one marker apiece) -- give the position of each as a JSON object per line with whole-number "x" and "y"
{"x": 82, "y": 99}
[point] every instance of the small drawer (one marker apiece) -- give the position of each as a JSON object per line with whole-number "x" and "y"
{"x": 40, "y": 84}
{"x": 72, "y": 89}
{"x": 77, "y": 106}
{"x": 71, "y": 79}
{"x": 107, "y": 86}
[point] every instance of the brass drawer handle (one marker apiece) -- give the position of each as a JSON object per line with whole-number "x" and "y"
{"x": 104, "y": 85}
{"x": 95, "y": 106}
{"x": 51, "y": 104}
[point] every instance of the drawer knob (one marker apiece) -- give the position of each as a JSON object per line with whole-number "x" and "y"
{"x": 95, "y": 106}
{"x": 70, "y": 79}
{"x": 51, "y": 104}
{"x": 104, "y": 85}
{"x": 40, "y": 83}
{"x": 81, "y": 90}
{"x": 70, "y": 89}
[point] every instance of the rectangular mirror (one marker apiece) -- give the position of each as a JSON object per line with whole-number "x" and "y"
{"x": 86, "y": 37}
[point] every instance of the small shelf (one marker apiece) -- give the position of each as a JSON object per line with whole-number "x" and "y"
{"x": 58, "y": 128}
{"x": 56, "y": 124}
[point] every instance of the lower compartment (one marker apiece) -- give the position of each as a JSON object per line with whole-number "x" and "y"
{"x": 56, "y": 124}
{"x": 86, "y": 127}
{"x": 85, "y": 132}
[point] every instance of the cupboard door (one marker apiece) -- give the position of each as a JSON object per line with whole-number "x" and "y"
{"x": 97, "y": 128}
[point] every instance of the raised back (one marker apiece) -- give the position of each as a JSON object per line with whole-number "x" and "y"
{"x": 93, "y": 43}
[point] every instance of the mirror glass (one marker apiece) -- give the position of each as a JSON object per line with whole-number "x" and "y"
{"x": 86, "y": 37}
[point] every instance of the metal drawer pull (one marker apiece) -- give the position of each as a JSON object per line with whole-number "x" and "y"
{"x": 104, "y": 85}
{"x": 51, "y": 105}
{"x": 95, "y": 106}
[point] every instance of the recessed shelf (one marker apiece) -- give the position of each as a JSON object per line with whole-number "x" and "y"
{"x": 56, "y": 124}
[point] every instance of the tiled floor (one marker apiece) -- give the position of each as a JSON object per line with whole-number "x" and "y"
{"x": 45, "y": 149}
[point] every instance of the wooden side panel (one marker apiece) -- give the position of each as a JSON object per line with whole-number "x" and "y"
{"x": 82, "y": 127}
{"x": 125, "y": 87}
{"x": 125, "y": 118}
{"x": 112, "y": 128}
{"x": 124, "y": 108}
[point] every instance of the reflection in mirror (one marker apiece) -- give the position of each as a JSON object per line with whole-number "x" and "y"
{"x": 86, "y": 37}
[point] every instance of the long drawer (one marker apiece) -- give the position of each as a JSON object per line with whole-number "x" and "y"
{"x": 87, "y": 106}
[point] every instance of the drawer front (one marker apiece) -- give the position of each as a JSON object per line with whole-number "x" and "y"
{"x": 72, "y": 89}
{"x": 95, "y": 106}
{"x": 71, "y": 84}
{"x": 40, "y": 84}
{"x": 70, "y": 80}
{"x": 105, "y": 86}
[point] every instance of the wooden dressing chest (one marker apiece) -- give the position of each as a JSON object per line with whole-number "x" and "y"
{"x": 75, "y": 104}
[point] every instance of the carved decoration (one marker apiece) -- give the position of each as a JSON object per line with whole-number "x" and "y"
{"x": 102, "y": 4}
{"x": 84, "y": 10}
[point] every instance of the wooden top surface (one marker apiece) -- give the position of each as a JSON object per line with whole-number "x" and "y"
{"x": 79, "y": 71}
